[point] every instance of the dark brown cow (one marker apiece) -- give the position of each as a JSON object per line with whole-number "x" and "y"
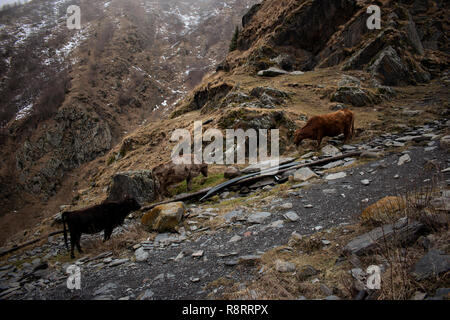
{"x": 170, "y": 173}
{"x": 327, "y": 125}
{"x": 105, "y": 216}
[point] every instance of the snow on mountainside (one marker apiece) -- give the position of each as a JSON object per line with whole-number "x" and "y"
{"x": 189, "y": 38}
{"x": 128, "y": 65}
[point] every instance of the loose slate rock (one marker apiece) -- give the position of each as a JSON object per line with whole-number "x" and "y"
{"x": 235, "y": 239}
{"x": 271, "y": 72}
{"x": 333, "y": 164}
{"x": 330, "y": 151}
{"x": 304, "y": 174}
{"x": 118, "y": 262}
{"x": 233, "y": 214}
{"x": 105, "y": 289}
{"x": 335, "y": 176}
{"x": 141, "y": 255}
{"x": 404, "y": 159}
{"x": 284, "y": 266}
{"x": 306, "y": 272}
{"x": 402, "y": 231}
{"x": 147, "y": 295}
{"x": 259, "y": 217}
{"x": 432, "y": 264}
{"x": 292, "y": 216}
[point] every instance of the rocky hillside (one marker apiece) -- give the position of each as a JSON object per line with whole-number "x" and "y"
{"x": 304, "y": 234}
{"x": 310, "y": 34}
{"x": 69, "y": 96}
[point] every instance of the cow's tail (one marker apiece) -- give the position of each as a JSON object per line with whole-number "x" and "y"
{"x": 63, "y": 217}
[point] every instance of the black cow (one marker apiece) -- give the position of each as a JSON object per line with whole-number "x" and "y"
{"x": 105, "y": 216}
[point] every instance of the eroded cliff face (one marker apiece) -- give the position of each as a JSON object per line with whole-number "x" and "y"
{"x": 76, "y": 137}
{"x": 410, "y": 47}
{"x": 68, "y": 96}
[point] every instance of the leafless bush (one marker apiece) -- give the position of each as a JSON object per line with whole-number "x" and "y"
{"x": 51, "y": 98}
{"x": 103, "y": 38}
{"x": 119, "y": 243}
{"x": 126, "y": 95}
{"x": 92, "y": 74}
{"x": 399, "y": 256}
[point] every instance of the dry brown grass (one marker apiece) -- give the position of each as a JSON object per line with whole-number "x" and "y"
{"x": 397, "y": 281}
{"x": 117, "y": 244}
{"x": 384, "y": 210}
{"x": 397, "y": 257}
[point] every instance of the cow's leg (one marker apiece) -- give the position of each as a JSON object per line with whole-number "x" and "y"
{"x": 166, "y": 191}
{"x": 189, "y": 183}
{"x": 347, "y": 134}
{"x": 319, "y": 136}
{"x": 107, "y": 234}
{"x": 78, "y": 239}
{"x": 72, "y": 245}
{"x": 319, "y": 142}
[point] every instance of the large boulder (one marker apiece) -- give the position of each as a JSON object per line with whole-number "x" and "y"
{"x": 137, "y": 184}
{"x": 231, "y": 172}
{"x": 269, "y": 96}
{"x": 304, "y": 174}
{"x": 284, "y": 61}
{"x": 366, "y": 53}
{"x": 165, "y": 217}
{"x": 245, "y": 119}
{"x": 355, "y": 96}
{"x": 235, "y": 97}
{"x": 272, "y": 72}
{"x": 77, "y": 136}
{"x": 257, "y": 92}
{"x": 206, "y": 98}
{"x": 250, "y": 14}
{"x": 392, "y": 70}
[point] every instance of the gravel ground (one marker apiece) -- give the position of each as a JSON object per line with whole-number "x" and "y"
{"x": 161, "y": 277}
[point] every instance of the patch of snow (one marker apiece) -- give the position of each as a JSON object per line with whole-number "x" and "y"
{"x": 23, "y": 112}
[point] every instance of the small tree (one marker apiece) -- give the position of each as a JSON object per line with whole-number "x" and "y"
{"x": 233, "y": 44}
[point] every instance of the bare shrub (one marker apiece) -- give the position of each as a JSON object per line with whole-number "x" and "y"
{"x": 103, "y": 38}
{"x": 117, "y": 244}
{"x": 126, "y": 95}
{"x": 92, "y": 74}
{"x": 51, "y": 98}
{"x": 397, "y": 281}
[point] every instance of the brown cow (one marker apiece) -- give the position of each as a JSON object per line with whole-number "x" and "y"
{"x": 327, "y": 125}
{"x": 169, "y": 173}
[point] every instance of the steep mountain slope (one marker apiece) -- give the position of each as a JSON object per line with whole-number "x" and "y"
{"x": 68, "y": 96}
{"x": 236, "y": 97}
{"x": 131, "y": 72}
{"x": 304, "y": 238}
